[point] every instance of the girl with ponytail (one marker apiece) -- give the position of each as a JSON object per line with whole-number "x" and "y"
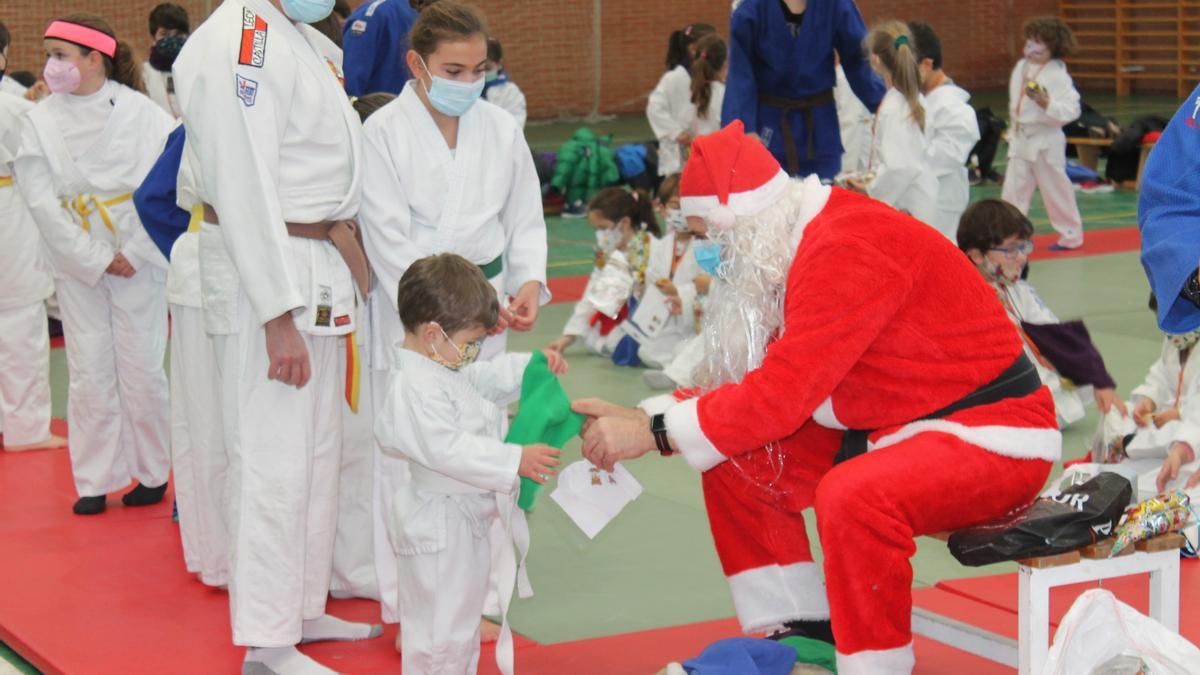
{"x": 88, "y": 146}
{"x": 708, "y": 84}
{"x": 669, "y": 108}
{"x": 896, "y": 172}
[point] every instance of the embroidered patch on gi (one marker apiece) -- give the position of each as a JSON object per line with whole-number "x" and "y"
{"x": 247, "y": 90}
{"x": 254, "y": 40}
{"x": 358, "y": 27}
{"x": 343, "y": 320}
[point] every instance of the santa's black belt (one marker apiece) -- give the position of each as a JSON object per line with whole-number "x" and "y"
{"x": 1019, "y": 379}
{"x": 804, "y": 105}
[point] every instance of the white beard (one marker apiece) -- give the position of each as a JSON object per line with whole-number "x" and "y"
{"x": 745, "y": 310}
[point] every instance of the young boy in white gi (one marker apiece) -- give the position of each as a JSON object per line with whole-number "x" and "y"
{"x": 445, "y": 413}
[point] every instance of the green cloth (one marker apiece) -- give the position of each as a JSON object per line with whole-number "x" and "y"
{"x": 813, "y": 652}
{"x": 493, "y": 269}
{"x": 544, "y": 416}
{"x": 585, "y": 164}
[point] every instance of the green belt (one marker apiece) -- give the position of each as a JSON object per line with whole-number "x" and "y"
{"x": 493, "y": 269}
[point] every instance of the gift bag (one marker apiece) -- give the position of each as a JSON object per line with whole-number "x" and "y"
{"x": 1078, "y": 516}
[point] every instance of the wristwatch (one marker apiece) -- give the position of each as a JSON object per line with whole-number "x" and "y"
{"x": 658, "y": 427}
{"x": 1191, "y": 289}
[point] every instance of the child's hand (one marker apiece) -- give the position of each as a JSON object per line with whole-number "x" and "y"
{"x": 1040, "y": 97}
{"x": 856, "y": 185}
{"x": 667, "y": 287}
{"x": 1162, "y": 418}
{"x": 555, "y": 361}
{"x": 559, "y": 345}
{"x": 1177, "y": 456}
{"x": 702, "y": 282}
{"x": 1107, "y": 399}
{"x": 1143, "y": 413}
{"x": 684, "y": 138}
{"x": 538, "y": 462}
{"x": 675, "y": 303}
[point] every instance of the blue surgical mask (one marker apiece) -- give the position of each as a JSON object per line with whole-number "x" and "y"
{"x": 307, "y": 11}
{"x": 708, "y": 255}
{"x": 450, "y": 97}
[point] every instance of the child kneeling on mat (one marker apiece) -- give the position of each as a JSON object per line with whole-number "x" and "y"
{"x": 446, "y": 414}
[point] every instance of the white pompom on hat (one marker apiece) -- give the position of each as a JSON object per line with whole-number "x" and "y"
{"x": 729, "y": 176}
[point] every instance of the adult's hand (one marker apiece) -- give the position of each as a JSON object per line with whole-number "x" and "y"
{"x": 613, "y": 433}
{"x": 287, "y": 352}
{"x": 120, "y": 267}
{"x": 525, "y": 305}
{"x": 1107, "y": 399}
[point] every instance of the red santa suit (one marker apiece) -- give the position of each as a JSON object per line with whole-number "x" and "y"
{"x": 881, "y": 325}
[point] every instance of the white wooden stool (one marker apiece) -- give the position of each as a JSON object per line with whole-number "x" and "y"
{"x": 1158, "y": 556}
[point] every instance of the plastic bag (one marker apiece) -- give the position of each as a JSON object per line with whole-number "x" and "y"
{"x": 1100, "y": 633}
{"x": 1078, "y": 516}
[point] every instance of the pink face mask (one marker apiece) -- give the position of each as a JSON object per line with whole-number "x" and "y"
{"x": 62, "y": 77}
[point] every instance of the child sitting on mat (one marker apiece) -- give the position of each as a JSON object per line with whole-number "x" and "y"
{"x": 996, "y": 237}
{"x": 446, "y": 414}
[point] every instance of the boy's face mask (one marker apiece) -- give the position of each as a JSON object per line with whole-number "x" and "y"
{"x": 1186, "y": 340}
{"x": 467, "y": 354}
{"x": 164, "y": 52}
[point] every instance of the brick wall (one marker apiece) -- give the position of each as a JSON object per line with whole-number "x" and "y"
{"x": 550, "y": 45}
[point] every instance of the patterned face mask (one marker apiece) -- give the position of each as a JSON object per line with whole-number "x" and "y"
{"x": 467, "y": 354}
{"x": 1186, "y": 340}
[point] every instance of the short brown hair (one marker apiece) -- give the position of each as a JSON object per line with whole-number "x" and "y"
{"x": 447, "y": 290}
{"x": 1052, "y": 32}
{"x": 445, "y": 20}
{"x": 367, "y": 104}
{"x": 988, "y": 222}
{"x": 669, "y": 187}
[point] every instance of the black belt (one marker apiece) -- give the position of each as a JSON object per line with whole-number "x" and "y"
{"x": 804, "y": 105}
{"x": 1019, "y": 379}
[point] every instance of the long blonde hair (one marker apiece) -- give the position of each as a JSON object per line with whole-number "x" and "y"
{"x": 892, "y": 42}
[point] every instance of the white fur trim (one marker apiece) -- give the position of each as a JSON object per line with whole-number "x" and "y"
{"x": 683, "y": 425}
{"x": 773, "y": 595}
{"x": 658, "y": 405}
{"x": 1019, "y": 442}
{"x": 898, "y": 661}
{"x": 721, "y": 217}
{"x": 825, "y": 416}
{"x": 748, "y": 203}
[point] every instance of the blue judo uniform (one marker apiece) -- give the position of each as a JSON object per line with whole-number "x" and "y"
{"x": 770, "y": 68}
{"x": 374, "y": 42}
{"x": 1169, "y": 217}
{"x": 155, "y": 197}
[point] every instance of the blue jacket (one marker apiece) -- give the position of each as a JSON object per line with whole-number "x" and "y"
{"x": 765, "y": 59}
{"x": 1169, "y": 217}
{"x": 374, "y": 42}
{"x": 155, "y": 197}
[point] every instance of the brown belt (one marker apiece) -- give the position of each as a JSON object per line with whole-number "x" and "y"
{"x": 343, "y": 234}
{"x": 805, "y": 106}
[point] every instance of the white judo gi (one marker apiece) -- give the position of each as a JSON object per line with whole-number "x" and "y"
{"x": 671, "y": 112}
{"x": 91, "y": 152}
{"x": 481, "y": 200}
{"x": 448, "y": 426}
{"x": 1037, "y": 147}
{"x": 26, "y": 278}
{"x": 854, "y": 121}
{"x": 160, "y": 87}
{"x": 509, "y": 96}
{"x": 902, "y": 179}
{"x": 952, "y": 131}
{"x": 659, "y": 351}
{"x": 272, "y": 139}
{"x": 1022, "y": 303}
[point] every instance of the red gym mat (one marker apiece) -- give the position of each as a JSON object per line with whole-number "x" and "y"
{"x": 109, "y": 593}
{"x": 1096, "y": 242}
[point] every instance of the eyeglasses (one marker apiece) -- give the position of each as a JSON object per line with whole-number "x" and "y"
{"x": 1021, "y": 248}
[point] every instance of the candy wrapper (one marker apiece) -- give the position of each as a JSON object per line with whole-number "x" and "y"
{"x": 610, "y": 288}
{"x": 1168, "y": 512}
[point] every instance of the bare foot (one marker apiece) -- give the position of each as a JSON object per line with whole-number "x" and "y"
{"x": 50, "y": 443}
{"x": 489, "y": 631}
{"x": 397, "y": 639}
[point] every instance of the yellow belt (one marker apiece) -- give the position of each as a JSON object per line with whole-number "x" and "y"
{"x": 5, "y": 181}
{"x": 86, "y": 205}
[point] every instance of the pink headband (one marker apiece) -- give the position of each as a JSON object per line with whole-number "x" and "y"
{"x": 83, "y": 36}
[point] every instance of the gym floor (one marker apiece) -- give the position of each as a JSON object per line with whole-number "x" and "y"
{"x": 655, "y": 565}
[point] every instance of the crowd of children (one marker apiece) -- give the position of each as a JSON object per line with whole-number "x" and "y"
{"x": 320, "y": 253}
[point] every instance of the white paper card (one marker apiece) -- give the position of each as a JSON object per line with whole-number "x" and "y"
{"x": 591, "y": 497}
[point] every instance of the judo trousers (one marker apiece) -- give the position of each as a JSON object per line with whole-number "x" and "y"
{"x": 117, "y": 409}
{"x": 198, "y": 457}
{"x": 25, "y": 374}
{"x": 1058, "y": 196}
{"x": 284, "y": 448}
{"x": 868, "y": 511}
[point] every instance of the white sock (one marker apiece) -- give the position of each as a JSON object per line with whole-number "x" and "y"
{"x": 281, "y": 661}
{"x": 327, "y": 627}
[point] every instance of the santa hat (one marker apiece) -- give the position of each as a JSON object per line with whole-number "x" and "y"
{"x": 729, "y": 175}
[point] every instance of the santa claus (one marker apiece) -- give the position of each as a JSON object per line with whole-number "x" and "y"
{"x": 858, "y": 364}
